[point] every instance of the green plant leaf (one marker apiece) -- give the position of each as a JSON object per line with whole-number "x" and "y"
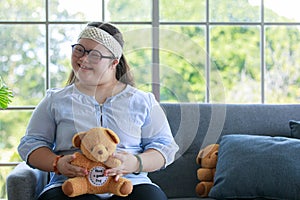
{"x": 5, "y": 95}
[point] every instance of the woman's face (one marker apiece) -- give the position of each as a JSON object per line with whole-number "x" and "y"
{"x": 88, "y": 69}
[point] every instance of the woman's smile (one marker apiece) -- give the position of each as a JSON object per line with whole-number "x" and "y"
{"x": 85, "y": 67}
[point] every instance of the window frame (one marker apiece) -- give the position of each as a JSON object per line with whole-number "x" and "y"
{"x": 156, "y": 24}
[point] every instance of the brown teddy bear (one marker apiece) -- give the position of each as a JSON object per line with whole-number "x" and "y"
{"x": 97, "y": 146}
{"x": 207, "y": 159}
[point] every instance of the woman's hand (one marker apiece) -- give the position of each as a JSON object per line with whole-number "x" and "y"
{"x": 43, "y": 158}
{"x": 65, "y": 167}
{"x": 129, "y": 164}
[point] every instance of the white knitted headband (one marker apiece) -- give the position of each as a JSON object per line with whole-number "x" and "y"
{"x": 104, "y": 38}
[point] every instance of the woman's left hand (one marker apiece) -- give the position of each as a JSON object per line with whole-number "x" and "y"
{"x": 129, "y": 164}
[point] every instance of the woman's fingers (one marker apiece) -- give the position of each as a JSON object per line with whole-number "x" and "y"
{"x": 67, "y": 169}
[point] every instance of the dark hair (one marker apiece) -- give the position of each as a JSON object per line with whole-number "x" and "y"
{"x": 123, "y": 73}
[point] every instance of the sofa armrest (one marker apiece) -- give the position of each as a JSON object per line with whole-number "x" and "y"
{"x": 25, "y": 183}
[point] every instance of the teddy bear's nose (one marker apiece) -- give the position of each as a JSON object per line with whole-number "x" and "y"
{"x": 100, "y": 152}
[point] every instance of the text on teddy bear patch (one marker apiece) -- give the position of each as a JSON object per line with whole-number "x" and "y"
{"x": 96, "y": 176}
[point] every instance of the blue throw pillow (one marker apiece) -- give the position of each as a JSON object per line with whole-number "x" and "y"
{"x": 295, "y": 128}
{"x": 257, "y": 167}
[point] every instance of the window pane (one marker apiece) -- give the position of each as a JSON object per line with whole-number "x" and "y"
{"x": 3, "y": 175}
{"x": 234, "y": 11}
{"x": 61, "y": 39}
{"x": 282, "y": 11}
{"x": 12, "y": 128}
{"x": 138, "y": 52}
{"x": 182, "y": 63}
{"x": 13, "y": 124}
{"x": 236, "y": 52}
{"x": 16, "y": 10}
{"x": 282, "y": 64}
{"x": 75, "y": 10}
{"x": 23, "y": 61}
{"x": 182, "y": 10}
{"x": 128, "y": 10}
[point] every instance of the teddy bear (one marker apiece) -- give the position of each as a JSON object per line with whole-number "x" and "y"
{"x": 207, "y": 159}
{"x": 97, "y": 145}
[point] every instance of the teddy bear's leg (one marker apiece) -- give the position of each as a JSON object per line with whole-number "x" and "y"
{"x": 75, "y": 186}
{"x": 122, "y": 187}
{"x": 126, "y": 188}
{"x": 203, "y": 188}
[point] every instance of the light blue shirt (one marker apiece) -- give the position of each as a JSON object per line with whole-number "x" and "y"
{"x": 134, "y": 115}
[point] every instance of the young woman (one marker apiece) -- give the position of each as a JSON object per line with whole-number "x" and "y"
{"x": 100, "y": 92}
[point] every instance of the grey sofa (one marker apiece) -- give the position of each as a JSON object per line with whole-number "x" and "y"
{"x": 194, "y": 126}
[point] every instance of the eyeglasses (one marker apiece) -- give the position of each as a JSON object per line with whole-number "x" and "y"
{"x": 94, "y": 56}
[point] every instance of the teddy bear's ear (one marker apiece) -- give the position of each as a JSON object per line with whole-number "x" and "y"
{"x": 77, "y": 139}
{"x": 199, "y": 156}
{"x": 113, "y": 136}
{"x": 206, "y": 151}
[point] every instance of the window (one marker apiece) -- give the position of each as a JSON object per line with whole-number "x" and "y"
{"x": 205, "y": 51}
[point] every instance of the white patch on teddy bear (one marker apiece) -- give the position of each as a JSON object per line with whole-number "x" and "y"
{"x": 96, "y": 176}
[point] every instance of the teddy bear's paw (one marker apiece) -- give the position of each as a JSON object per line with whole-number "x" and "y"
{"x": 67, "y": 188}
{"x": 126, "y": 188}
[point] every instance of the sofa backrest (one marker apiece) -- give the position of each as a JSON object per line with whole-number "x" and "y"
{"x": 196, "y": 125}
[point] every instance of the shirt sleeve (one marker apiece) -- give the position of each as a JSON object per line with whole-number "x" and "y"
{"x": 156, "y": 132}
{"x": 40, "y": 131}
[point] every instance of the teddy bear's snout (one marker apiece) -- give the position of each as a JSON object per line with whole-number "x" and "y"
{"x": 100, "y": 153}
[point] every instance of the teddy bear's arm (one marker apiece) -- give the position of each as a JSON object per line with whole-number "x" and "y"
{"x": 80, "y": 160}
{"x": 112, "y": 162}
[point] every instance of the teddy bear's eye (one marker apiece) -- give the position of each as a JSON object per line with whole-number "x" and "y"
{"x": 106, "y": 148}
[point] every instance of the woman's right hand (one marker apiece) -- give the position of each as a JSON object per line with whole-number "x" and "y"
{"x": 65, "y": 167}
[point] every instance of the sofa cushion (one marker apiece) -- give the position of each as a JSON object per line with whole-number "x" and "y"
{"x": 257, "y": 167}
{"x": 295, "y": 128}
